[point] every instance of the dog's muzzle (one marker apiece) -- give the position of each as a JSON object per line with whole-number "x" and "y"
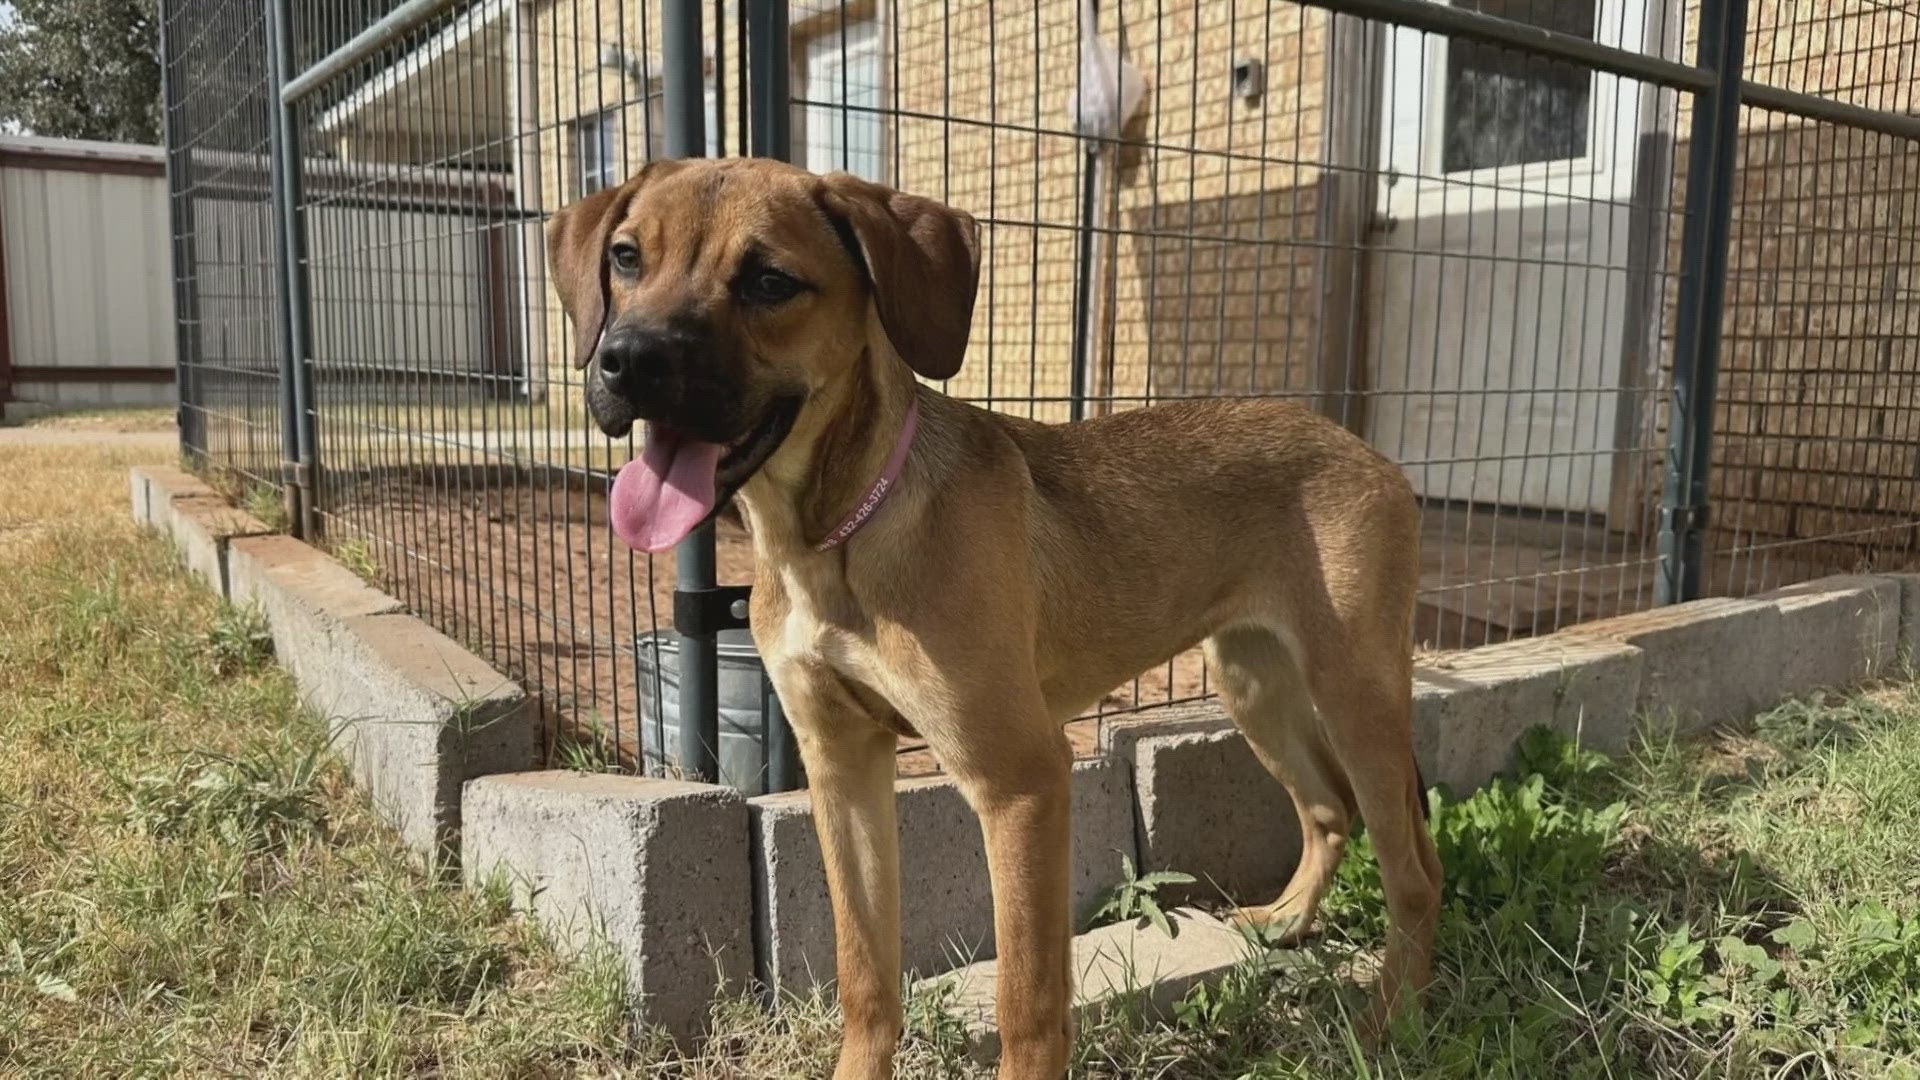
{"x": 662, "y": 374}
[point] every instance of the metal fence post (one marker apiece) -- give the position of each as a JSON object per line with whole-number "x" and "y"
{"x": 290, "y": 258}
{"x": 694, "y": 590}
{"x": 1703, "y": 287}
{"x": 189, "y": 416}
{"x": 1083, "y": 271}
{"x": 770, "y": 97}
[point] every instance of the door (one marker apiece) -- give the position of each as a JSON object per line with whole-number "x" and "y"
{"x": 1499, "y": 283}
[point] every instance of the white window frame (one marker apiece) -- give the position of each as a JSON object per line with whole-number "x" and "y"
{"x": 596, "y": 134}
{"x": 821, "y": 62}
{"x": 1413, "y": 145}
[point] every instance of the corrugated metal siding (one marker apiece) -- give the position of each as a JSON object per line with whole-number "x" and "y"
{"x": 88, "y": 276}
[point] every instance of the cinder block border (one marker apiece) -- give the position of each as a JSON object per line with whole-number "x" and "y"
{"x": 414, "y": 714}
{"x": 428, "y": 727}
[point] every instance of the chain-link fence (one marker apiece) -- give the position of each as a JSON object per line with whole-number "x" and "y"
{"x": 1627, "y": 286}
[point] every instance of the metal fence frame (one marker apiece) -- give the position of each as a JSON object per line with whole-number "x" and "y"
{"x": 702, "y": 608}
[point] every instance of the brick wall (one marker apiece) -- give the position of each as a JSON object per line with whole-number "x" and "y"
{"x": 1817, "y": 425}
{"x": 1206, "y": 263}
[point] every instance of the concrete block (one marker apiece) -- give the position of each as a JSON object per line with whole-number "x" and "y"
{"x": 1837, "y": 631}
{"x": 1122, "y": 963}
{"x": 137, "y": 492}
{"x": 153, "y": 489}
{"x": 946, "y": 898}
{"x": 1907, "y": 650}
{"x": 657, "y": 869}
{"x": 1706, "y": 663}
{"x": 1204, "y": 805}
{"x": 164, "y": 483}
{"x": 1471, "y": 710}
{"x": 415, "y": 715}
{"x": 1120, "y": 734}
{"x": 201, "y": 527}
{"x": 299, "y": 588}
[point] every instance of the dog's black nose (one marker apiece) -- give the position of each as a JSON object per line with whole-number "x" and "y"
{"x": 633, "y": 363}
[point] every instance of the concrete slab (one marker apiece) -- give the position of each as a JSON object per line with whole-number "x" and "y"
{"x": 1204, "y": 805}
{"x": 1707, "y": 662}
{"x": 946, "y": 899}
{"x": 1470, "y": 710}
{"x": 1838, "y": 631}
{"x": 1124, "y": 964}
{"x": 657, "y": 869}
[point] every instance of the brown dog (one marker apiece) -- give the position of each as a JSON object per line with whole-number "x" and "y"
{"x": 765, "y": 324}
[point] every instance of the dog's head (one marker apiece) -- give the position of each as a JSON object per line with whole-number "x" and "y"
{"x": 712, "y": 299}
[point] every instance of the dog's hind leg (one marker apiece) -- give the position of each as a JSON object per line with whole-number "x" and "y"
{"x": 1360, "y": 675}
{"x": 1264, "y": 690}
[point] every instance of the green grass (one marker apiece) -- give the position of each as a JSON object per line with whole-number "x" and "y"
{"x": 1747, "y": 907}
{"x": 190, "y": 886}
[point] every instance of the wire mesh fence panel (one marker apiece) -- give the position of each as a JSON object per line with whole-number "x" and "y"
{"x": 456, "y": 462}
{"x": 226, "y": 294}
{"x": 1457, "y": 230}
{"x": 1817, "y": 435}
{"x": 1454, "y": 249}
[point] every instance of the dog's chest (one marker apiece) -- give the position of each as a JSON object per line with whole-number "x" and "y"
{"x": 823, "y": 625}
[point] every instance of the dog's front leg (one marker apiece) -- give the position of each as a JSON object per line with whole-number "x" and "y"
{"x": 850, "y": 774}
{"x": 1015, "y": 768}
{"x": 853, "y": 812}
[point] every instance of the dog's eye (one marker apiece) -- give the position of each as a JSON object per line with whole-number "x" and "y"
{"x": 626, "y": 258}
{"x": 768, "y": 287}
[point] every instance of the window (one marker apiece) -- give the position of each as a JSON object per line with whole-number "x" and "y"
{"x": 1508, "y": 108}
{"x": 657, "y": 121}
{"x": 596, "y": 149}
{"x": 603, "y": 158}
{"x": 840, "y": 126}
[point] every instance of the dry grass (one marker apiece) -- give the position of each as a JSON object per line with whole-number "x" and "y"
{"x": 191, "y": 887}
{"x": 158, "y": 418}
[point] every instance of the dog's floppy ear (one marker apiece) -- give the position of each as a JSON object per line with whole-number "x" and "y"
{"x": 922, "y": 261}
{"x": 577, "y": 256}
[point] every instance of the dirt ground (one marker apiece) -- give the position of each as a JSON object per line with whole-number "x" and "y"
{"x": 535, "y": 582}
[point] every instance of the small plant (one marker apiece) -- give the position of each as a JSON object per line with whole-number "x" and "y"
{"x": 1515, "y": 851}
{"x": 1677, "y": 983}
{"x": 586, "y": 753}
{"x": 268, "y": 505}
{"x": 931, "y": 1018}
{"x": 1235, "y": 1001}
{"x": 239, "y": 641}
{"x": 357, "y": 556}
{"x": 1137, "y": 897}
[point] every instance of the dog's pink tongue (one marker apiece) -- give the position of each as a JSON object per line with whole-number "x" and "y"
{"x": 660, "y": 496}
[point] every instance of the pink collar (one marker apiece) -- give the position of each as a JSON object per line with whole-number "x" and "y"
{"x": 881, "y": 487}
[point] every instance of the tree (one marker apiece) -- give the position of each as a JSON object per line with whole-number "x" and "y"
{"x": 82, "y": 69}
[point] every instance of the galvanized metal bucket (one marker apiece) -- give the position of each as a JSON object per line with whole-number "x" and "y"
{"x": 745, "y": 698}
